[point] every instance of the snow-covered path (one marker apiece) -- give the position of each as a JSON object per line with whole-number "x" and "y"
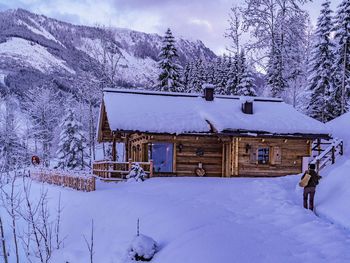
{"x": 203, "y": 220}
{"x": 199, "y": 220}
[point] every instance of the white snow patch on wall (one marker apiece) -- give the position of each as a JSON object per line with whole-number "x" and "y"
{"x": 33, "y": 55}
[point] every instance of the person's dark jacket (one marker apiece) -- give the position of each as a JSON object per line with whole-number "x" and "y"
{"x": 314, "y": 178}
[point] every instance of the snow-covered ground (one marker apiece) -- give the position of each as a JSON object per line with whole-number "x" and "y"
{"x": 209, "y": 220}
{"x": 199, "y": 220}
{"x": 334, "y": 191}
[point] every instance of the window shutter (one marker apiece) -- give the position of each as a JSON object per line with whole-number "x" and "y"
{"x": 254, "y": 155}
{"x": 276, "y": 155}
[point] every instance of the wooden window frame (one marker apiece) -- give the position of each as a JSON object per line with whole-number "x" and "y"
{"x": 269, "y": 154}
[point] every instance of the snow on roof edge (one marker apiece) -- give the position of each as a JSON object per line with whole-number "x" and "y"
{"x": 191, "y": 95}
{"x": 269, "y": 118}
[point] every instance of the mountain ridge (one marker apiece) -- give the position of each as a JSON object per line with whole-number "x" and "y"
{"x": 40, "y": 50}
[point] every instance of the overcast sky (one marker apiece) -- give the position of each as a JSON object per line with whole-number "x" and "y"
{"x": 194, "y": 19}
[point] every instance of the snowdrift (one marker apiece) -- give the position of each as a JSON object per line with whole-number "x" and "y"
{"x": 332, "y": 198}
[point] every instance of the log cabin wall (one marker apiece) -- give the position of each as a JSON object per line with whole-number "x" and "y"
{"x": 104, "y": 132}
{"x": 188, "y": 151}
{"x": 226, "y": 156}
{"x": 285, "y": 156}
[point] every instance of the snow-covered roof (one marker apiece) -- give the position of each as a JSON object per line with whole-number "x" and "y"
{"x": 177, "y": 113}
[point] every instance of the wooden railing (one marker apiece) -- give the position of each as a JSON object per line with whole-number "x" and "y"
{"x": 327, "y": 155}
{"x": 110, "y": 169}
{"x": 71, "y": 179}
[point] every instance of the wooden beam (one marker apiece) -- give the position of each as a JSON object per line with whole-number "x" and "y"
{"x": 236, "y": 156}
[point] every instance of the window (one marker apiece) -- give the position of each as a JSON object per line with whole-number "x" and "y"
{"x": 162, "y": 156}
{"x": 263, "y": 155}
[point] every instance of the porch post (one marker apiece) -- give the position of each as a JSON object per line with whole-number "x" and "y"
{"x": 114, "y": 150}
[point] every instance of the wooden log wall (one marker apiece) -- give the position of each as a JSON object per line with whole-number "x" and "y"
{"x": 226, "y": 156}
{"x": 187, "y": 152}
{"x": 285, "y": 156}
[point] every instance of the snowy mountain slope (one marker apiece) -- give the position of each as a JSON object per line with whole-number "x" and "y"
{"x": 197, "y": 220}
{"x": 32, "y": 43}
{"x": 32, "y": 55}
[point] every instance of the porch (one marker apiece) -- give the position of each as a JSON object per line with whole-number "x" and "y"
{"x": 119, "y": 170}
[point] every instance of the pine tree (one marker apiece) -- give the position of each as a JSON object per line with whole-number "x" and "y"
{"x": 169, "y": 77}
{"x": 198, "y": 77}
{"x": 71, "y": 152}
{"x": 233, "y": 75}
{"x": 220, "y": 76}
{"x": 246, "y": 85}
{"x": 342, "y": 58}
{"x": 321, "y": 82}
{"x": 186, "y": 76}
{"x": 275, "y": 69}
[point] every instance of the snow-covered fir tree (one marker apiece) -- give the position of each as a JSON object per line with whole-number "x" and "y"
{"x": 72, "y": 146}
{"x": 198, "y": 77}
{"x": 321, "y": 81}
{"x": 169, "y": 77}
{"x": 220, "y": 76}
{"x": 246, "y": 85}
{"x": 233, "y": 75}
{"x": 296, "y": 50}
{"x": 342, "y": 58}
{"x": 275, "y": 69}
{"x": 186, "y": 75}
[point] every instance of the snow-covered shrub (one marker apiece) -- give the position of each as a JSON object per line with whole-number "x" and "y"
{"x": 142, "y": 248}
{"x": 136, "y": 173}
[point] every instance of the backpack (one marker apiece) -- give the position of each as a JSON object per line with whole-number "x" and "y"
{"x": 303, "y": 182}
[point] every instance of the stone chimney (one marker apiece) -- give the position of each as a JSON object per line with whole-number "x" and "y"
{"x": 208, "y": 92}
{"x": 247, "y": 107}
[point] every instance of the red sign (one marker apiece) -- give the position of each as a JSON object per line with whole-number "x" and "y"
{"x": 35, "y": 160}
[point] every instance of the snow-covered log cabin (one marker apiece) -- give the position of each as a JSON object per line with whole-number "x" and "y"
{"x": 207, "y": 134}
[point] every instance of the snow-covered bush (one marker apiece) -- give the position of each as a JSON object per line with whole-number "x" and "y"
{"x": 136, "y": 173}
{"x": 142, "y": 248}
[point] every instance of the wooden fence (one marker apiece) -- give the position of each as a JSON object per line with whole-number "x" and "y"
{"x": 80, "y": 182}
{"x": 110, "y": 169}
{"x": 327, "y": 155}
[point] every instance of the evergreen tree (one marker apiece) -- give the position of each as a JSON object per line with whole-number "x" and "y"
{"x": 220, "y": 76}
{"x": 71, "y": 152}
{"x": 246, "y": 85}
{"x": 169, "y": 77}
{"x": 233, "y": 76}
{"x": 186, "y": 76}
{"x": 275, "y": 68}
{"x": 321, "y": 82}
{"x": 342, "y": 58}
{"x": 198, "y": 77}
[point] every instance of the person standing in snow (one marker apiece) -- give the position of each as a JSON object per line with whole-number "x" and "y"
{"x": 310, "y": 188}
